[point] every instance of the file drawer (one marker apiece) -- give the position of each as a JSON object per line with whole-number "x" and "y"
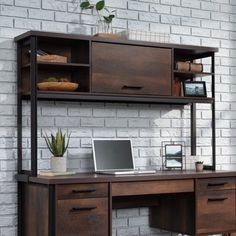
{"x": 85, "y": 217}
{"x": 74, "y": 191}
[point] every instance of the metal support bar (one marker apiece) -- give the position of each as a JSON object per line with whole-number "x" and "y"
{"x": 213, "y": 112}
{"x": 51, "y": 210}
{"x": 193, "y": 130}
{"x": 19, "y": 111}
{"x": 33, "y": 100}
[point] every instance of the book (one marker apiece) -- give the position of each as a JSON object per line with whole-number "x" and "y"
{"x": 52, "y": 173}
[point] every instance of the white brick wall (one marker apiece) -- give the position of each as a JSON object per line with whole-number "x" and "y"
{"x": 205, "y": 22}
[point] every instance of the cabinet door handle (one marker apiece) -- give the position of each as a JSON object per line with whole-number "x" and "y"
{"x": 216, "y": 184}
{"x": 132, "y": 87}
{"x": 77, "y": 209}
{"x": 83, "y": 191}
{"x": 217, "y": 199}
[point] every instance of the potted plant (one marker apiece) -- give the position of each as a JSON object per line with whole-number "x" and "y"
{"x": 57, "y": 145}
{"x": 105, "y": 16}
{"x": 199, "y": 166}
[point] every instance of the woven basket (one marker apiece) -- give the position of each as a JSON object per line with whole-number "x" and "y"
{"x": 57, "y": 86}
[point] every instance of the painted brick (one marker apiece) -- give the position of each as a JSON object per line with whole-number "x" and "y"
{"x": 150, "y": 17}
{"x": 67, "y": 17}
{"x": 201, "y": 14}
{"x": 180, "y": 30}
{"x": 28, "y": 3}
{"x": 54, "y": 27}
{"x": 13, "y": 11}
{"x": 138, "y": 25}
{"x": 54, "y": 5}
{"x": 27, "y": 24}
{"x": 220, "y": 16}
{"x": 159, "y": 9}
{"x": 171, "y": 2}
{"x": 6, "y": 2}
{"x": 168, "y": 19}
{"x": 6, "y": 21}
{"x": 190, "y": 4}
{"x": 138, "y": 6}
{"x": 180, "y": 11}
{"x": 127, "y": 14}
{"x": 41, "y": 14}
{"x": 210, "y": 6}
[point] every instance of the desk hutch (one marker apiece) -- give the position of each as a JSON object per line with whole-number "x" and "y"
{"x": 116, "y": 71}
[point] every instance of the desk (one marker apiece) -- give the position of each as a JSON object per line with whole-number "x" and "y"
{"x": 182, "y": 201}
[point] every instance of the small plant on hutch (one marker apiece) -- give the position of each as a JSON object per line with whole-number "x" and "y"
{"x": 199, "y": 166}
{"x": 57, "y": 145}
{"x": 104, "y": 20}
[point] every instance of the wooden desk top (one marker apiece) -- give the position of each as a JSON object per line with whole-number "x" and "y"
{"x": 159, "y": 175}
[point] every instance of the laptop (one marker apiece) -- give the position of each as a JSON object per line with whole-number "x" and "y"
{"x": 115, "y": 157}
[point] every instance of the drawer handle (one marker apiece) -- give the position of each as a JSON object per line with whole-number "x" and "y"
{"x": 216, "y": 184}
{"x": 83, "y": 191}
{"x": 77, "y": 209}
{"x": 132, "y": 87}
{"x": 217, "y": 199}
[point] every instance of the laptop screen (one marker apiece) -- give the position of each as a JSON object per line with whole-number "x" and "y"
{"x": 112, "y": 155}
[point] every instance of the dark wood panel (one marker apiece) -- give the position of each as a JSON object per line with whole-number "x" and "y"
{"x": 152, "y": 187}
{"x": 135, "y": 201}
{"x": 35, "y": 210}
{"x": 190, "y": 49}
{"x": 215, "y": 184}
{"x": 215, "y": 211}
{"x": 175, "y": 212}
{"x": 160, "y": 175}
{"x": 73, "y": 191}
{"x": 125, "y": 69}
{"x": 85, "y": 217}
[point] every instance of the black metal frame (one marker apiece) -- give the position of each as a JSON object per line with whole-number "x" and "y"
{"x": 34, "y": 96}
{"x": 213, "y": 127}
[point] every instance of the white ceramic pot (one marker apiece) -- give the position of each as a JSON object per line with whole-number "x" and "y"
{"x": 199, "y": 167}
{"x": 58, "y": 164}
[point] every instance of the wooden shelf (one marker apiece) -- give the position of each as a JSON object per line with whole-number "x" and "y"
{"x": 189, "y": 74}
{"x": 95, "y": 97}
{"x": 58, "y": 65}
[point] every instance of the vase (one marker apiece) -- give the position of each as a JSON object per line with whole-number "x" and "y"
{"x": 199, "y": 167}
{"x": 104, "y": 27}
{"x": 59, "y": 164}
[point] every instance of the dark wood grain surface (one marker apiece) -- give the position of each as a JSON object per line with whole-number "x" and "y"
{"x": 159, "y": 175}
{"x": 125, "y": 69}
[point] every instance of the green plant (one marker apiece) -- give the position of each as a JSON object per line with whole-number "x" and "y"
{"x": 57, "y": 144}
{"x": 99, "y": 6}
{"x": 199, "y": 162}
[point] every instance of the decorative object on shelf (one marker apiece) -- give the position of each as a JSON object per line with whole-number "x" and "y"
{"x": 57, "y": 86}
{"x": 145, "y": 36}
{"x": 182, "y": 65}
{"x": 57, "y": 146}
{"x": 196, "y": 67}
{"x": 105, "y": 17}
{"x": 54, "y": 84}
{"x": 172, "y": 155}
{"x": 199, "y": 166}
{"x": 51, "y": 58}
{"x": 194, "y": 89}
{"x": 177, "y": 87}
{"x": 52, "y": 173}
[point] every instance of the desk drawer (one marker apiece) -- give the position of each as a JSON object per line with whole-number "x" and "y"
{"x": 152, "y": 187}
{"x": 216, "y": 211}
{"x": 74, "y": 191}
{"x": 83, "y": 217}
{"x": 216, "y": 184}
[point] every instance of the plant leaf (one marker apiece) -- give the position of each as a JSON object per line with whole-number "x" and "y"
{"x": 100, "y": 5}
{"x": 109, "y": 18}
{"x": 85, "y": 5}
